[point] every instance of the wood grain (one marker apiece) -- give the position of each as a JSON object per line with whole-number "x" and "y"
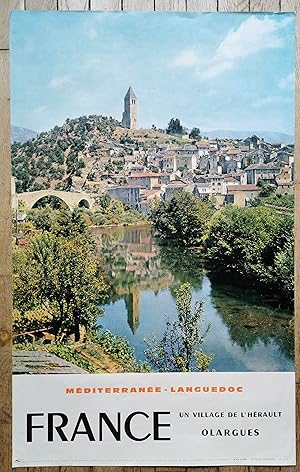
{"x": 41, "y": 5}
{"x": 138, "y": 5}
{"x": 73, "y": 469}
{"x": 5, "y": 268}
{"x": 297, "y": 205}
{"x": 73, "y": 4}
{"x": 265, "y": 5}
{"x": 202, "y": 469}
{"x": 290, "y": 5}
{"x": 234, "y": 5}
{"x": 202, "y": 5}
{"x": 108, "y": 5}
{"x": 5, "y": 8}
{"x": 176, "y": 5}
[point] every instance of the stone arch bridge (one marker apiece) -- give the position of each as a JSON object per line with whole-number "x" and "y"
{"x": 72, "y": 199}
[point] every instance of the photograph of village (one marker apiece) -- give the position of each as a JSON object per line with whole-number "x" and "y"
{"x": 152, "y": 192}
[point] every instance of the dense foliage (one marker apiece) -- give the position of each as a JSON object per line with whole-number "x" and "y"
{"x": 179, "y": 349}
{"x": 183, "y": 218}
{"x": 108, "y": 211}
{"x": 59, "y": 272}
{"x": 276, "y": 201}
{"x": 254, "y": 244}
{"x": 111, "y": 211}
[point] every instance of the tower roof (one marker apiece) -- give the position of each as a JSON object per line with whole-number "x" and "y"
{"x": 130, "y": 93}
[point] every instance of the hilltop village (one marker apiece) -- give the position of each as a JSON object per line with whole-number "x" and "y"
{"x": 226, "y": 169}
{"x": 99, "y": 155}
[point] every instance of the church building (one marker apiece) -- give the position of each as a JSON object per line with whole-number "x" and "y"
{"x": 129, "y": 119}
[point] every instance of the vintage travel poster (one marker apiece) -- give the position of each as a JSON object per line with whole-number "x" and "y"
{"x": 153, "y": 238}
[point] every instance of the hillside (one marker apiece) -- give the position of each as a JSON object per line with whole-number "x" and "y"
{"x": 88, "y": 148}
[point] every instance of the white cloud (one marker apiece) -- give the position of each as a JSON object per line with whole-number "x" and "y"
{"x": 252, "y": 36}
{"x": 60, "y": 82}
{"x": 270, "y": 100}
{"x": 186, "y": 58}
{"x": 287, "y": 82}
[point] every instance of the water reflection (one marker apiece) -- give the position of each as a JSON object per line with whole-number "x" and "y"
{"x": 245, "y": 335}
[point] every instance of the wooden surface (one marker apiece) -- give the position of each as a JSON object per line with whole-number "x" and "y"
{"x": 109, "y": 5}
{"x": 42, "y": 362}
{"x": 5, "y": 213}
{"x": 41, "y": 4}
{"x": 178, "y": 5}
{"x": 233, "y": 5}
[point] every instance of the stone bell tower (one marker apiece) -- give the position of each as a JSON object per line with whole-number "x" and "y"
{"x": 129, "y": 119}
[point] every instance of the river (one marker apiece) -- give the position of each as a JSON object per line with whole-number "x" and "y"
{"x": 244, "y": 335}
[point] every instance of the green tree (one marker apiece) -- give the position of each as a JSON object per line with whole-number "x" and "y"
{"x": 62, "y": 276}
{"x": 265, "y": 189}
{"x": 174, "y": 126}
{"x": 195, "y": 133}
{"x": 179, "y": 349}
{"x": 252, "y": 243}
{"x": 183, "y": 218}
{"x": 42, "y": 218}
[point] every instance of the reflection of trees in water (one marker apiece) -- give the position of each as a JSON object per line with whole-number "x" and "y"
{"x": 185, "y": 265}
{"x": 131, "y": 260}
{"x": 248, "y": 323}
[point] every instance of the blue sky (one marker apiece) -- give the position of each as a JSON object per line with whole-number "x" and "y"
{"x": 214, "y": 71}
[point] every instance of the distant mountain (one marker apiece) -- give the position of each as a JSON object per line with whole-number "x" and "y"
{"x": 21, "y": 135}
{"x": 269, "y": 136}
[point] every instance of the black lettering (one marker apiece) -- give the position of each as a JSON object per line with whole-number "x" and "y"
{"x": 30, "y": 426}
{"x": 157, "y": 425}
{"x": 127, "y": 426}
{"x": 116, "y": 432}
{"x": 51, "y": 427}
{"x": 88, "y": 430}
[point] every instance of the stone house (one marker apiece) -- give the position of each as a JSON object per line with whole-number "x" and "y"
{"x": 202, "y": 190}
{"x": 174, "y": 187}
{"x": 217, "y": 183}
{"x": 284, "y": 183}
{"x": 128, "y": 194}
{"x": 187, "y": 157}
{"x": 267, "y": 172}
{"x": 241, "y": 195}
{"x": 168, "y": 162}
{"x": 231, "y": 166}
{"x": 148, "y": 179}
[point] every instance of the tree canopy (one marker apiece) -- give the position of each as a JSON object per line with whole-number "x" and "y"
{"x": 183, "y": 218}
{"x": 174, "y": 126}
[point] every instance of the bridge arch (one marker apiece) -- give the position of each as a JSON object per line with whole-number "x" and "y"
{"x": 84, "y": 203}
{"x": 56, "y": 202}
{"x": 71, "y": 199}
